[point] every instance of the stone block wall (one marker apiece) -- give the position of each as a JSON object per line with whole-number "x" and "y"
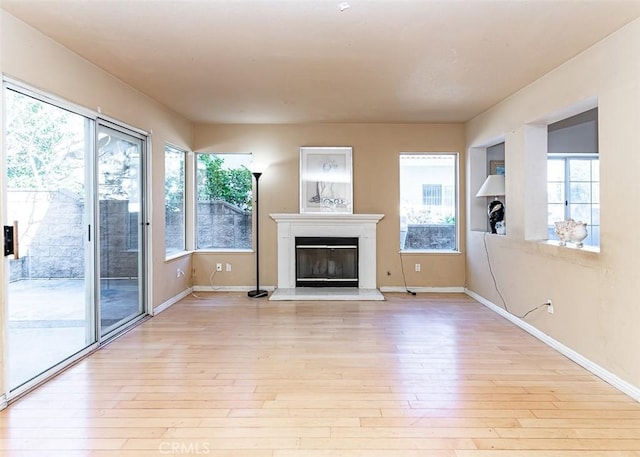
{"x": 174, "y": 230}
{"x": 118, "y": 240}
{"x": 52, "y": 234}
{"x": 221, "y": 225}
{"x": 430, "y": 236}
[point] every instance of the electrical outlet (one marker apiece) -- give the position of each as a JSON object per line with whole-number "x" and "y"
{"x": 418, "y": 267}
{"x": 218, "y": 267}
{"x": 228, "y": 267}
{"x": 550, "y": 307}
{"x": 179, "y": 273}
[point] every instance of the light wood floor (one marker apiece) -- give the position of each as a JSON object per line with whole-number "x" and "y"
{"x": 429, "y": 376}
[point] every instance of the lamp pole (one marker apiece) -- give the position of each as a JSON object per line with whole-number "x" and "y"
{"x": 257, "y": 293}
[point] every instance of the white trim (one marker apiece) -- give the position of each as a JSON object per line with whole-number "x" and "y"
{"x": 47, "y": 375}
{"x": 442, "y": 290}
{"x": 231, "y": 288}
{"x": 177, "y": 255}
{"x": 3, "y": 402}
{"x": 223, "y": 250}
{"x": 602, "y": 373}
{"x": 146, "y": 203}
{"x": 439, "y": 290}
{"x": 47, "y": 97}
{"x": 326, "y": 294}
{"x": 430, "y": 252}
{"x": 292, "y": 225}
{"x": 172, "y": 301}
{"x": 53, "y": 99}
{"x": 556, "y": 243}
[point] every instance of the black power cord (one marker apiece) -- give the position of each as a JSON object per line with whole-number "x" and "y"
{"x": 495, "y": 284}
{"x": 404, "y": 278}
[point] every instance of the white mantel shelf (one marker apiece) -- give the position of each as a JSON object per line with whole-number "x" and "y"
{"x": 361, "y": 226}
{"x": 339, "y": 218}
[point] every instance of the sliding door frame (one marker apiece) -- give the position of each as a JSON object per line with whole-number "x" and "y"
{"x": 143, "y": 230}
{"x": 95, "y": 340}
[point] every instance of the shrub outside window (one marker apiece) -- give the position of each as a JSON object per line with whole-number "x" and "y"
{"x": 224, "y": 208}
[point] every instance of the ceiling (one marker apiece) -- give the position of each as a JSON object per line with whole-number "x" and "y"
{"x": 306, "y": 61}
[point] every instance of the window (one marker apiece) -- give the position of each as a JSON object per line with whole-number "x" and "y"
{"x": 432, "y": 194}
{"x": 573, "y": 188}
{"x": 573, "y": 174}
{"x": 428, "y": 202}
{"x": 174, "y": 196}
{"x": 224, "y": 191}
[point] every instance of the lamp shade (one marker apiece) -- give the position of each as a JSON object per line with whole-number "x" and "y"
{"x": 492, "y": 186}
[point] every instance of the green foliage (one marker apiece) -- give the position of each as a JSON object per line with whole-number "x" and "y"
{"x": 449, "y": 220}
{"x": 232, "y": 185}
{"x": 44, "y": 145}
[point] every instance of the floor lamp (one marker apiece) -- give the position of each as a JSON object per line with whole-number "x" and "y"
{"x": 257, "y": 292}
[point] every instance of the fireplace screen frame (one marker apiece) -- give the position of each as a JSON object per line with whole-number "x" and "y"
{"x": 327, "y": 249}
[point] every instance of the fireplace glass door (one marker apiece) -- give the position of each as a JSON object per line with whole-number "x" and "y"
{"x": 326, "y": 262}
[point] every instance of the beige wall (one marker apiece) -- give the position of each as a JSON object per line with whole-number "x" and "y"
{"x": 376, "y": 190}
{"x": 595, "y": 294}
{"x": 29, "y": 56}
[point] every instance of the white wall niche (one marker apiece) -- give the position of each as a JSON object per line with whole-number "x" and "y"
{"x": 477, "y": 171}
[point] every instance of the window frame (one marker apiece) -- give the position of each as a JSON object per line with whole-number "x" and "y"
{"x": 445, "y": 190}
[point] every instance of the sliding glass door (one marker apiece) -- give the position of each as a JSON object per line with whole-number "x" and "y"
{"x": 50, "y": 311}
{"x": 75, "y": 199}
{"x": 120, "y": 174}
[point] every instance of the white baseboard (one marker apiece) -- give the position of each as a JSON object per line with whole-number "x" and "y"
{"x": 602, "y": 373}
{"x": 441, "y": 290}
{"x": 445, "y": 290}
{"x": 172, "y": 301}
{"x": 229, "y": 288}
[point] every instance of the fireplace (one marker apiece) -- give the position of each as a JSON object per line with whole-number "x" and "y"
{"x": 332, "y": 225}
{"x": 326, "y": 261}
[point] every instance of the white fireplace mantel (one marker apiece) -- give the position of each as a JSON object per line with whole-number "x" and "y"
{"x": 361, "y": 226}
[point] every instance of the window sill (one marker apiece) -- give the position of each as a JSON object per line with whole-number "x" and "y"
{"x": 571, "y": 246}
{"x": 428, "y": 251}
{"x": 177, "y": 255}
{"x": 225, "y": 250}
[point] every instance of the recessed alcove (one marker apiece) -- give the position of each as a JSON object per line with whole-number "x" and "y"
{"x": 478, "y": 169}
